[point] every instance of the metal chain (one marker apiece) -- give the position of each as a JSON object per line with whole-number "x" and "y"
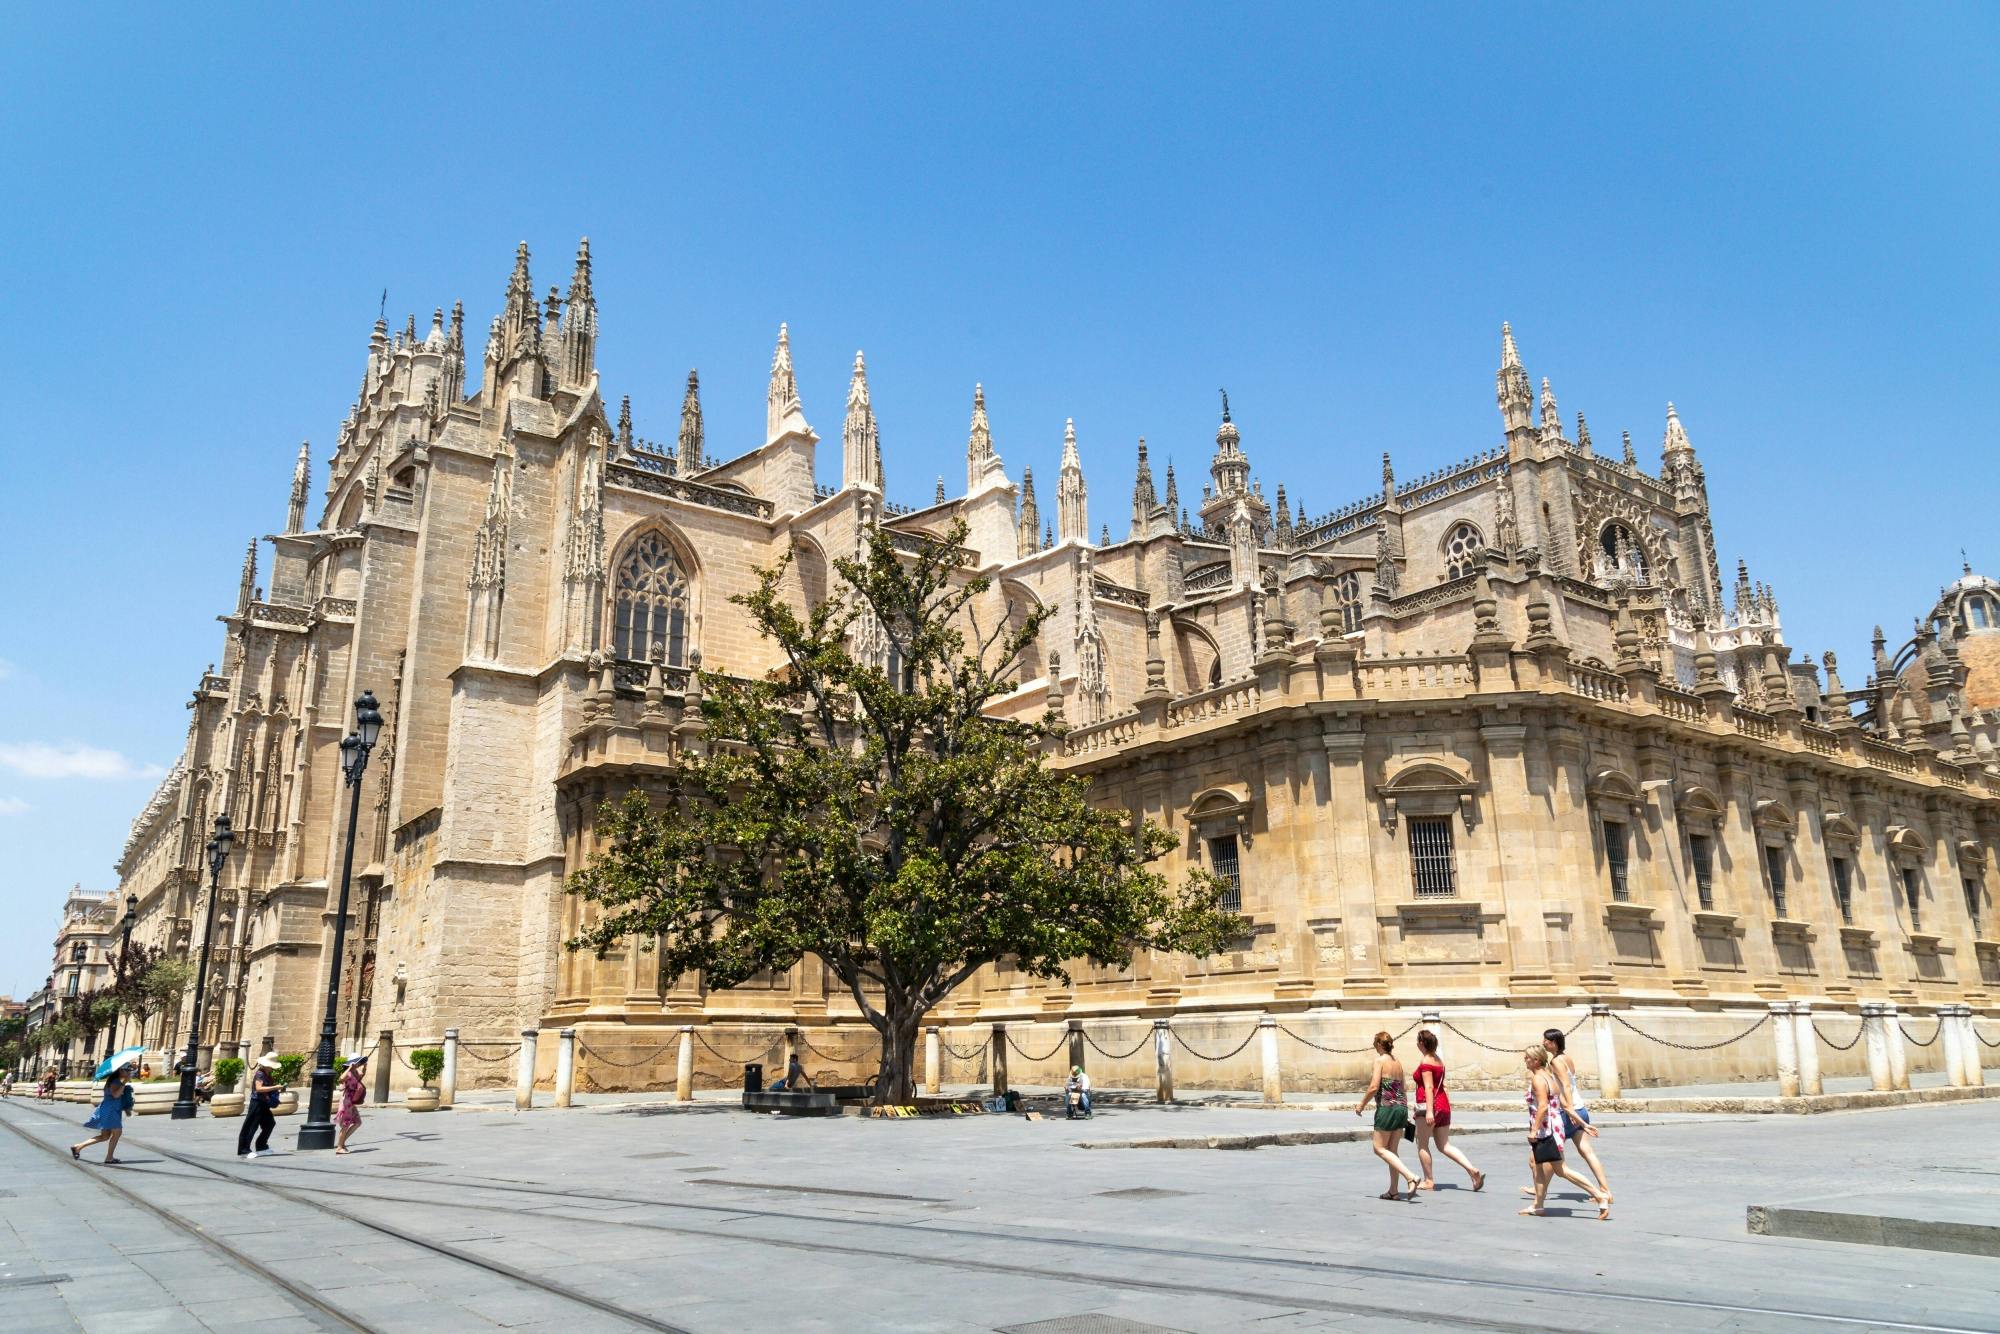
{"x": 1483, "y": 1046}
{"x": 1982, "y": 1039}
{"x": 505, "y": 1053}
{"x": 1050, "y": 1054}
{"x": 1204, "y": 1056}
{"x": 1578, "y": 1024}
{"x": 1690, "y": 1046}
{"x": 972, "y": 1055}
{"x": 1839, "y": 1046}
{"x": 1913, "y": 1042}
{"x": 1316, "y": 1046}
{"x": 764, "y": 1050}
{"x": 598, "y": 1056}
{"x": 1120, "y": 1055}
{"x": 807, "y": 1043}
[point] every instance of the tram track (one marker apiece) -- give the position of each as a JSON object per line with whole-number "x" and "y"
{"x": 1303, "y": 1268}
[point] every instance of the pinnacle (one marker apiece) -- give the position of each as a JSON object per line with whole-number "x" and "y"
{"x": 1510, "y": 355}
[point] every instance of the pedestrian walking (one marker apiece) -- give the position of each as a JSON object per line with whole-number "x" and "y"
{"x": 260, "y": 1108}
{"x": 1576, "y": 1115}
{"x": 1433, "y": 1114}
{"x": 352, "y": 1094}
{"x": 1392, "y": 1113}
{"x": 1545, "y": 1137}
{"x": 109, "y": 1118}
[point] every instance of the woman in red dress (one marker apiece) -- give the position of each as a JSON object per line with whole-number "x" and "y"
{"x": 352, "y": 1094}
{"x": 1434, "y": 1114}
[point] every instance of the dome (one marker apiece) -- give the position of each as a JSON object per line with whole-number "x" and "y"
{"x": 1969, "y": 605}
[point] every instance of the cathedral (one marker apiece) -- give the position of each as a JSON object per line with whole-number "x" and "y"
{"x": 1499, "y": 735}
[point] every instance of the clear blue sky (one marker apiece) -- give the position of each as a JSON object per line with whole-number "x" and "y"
{"x": 1782, "y": 219}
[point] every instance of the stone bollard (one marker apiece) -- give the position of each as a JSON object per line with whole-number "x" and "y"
{"x": 1267, "y": 1045}
{"x": 933, "y": 1081}
{"x": 999, "y": 1061}
{"x": 1975, "y": 1058}
{"x": 385, "y": 1060}
{"x": 448, "y": 1078}
{"x": 684, "y": 1066}
{"x": 565, "y": 1067}
{"x": 1877, "y": 1042}
{"x": 1899, "y": 1054}
{"x": 1163, "y": 1061}
{"x": 1075, "y": 1047}
{"x": 1608, "y": 1083}
{"x": 1961, "y": 1055}
{"x": 1808, "y": 1045}
{"x": 1785, "y": 1039}
{"x": 524, "y": 1075}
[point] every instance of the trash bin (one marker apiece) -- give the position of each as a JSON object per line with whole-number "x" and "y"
{"x": 753, "y": 1078}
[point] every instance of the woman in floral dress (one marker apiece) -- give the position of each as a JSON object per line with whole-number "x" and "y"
{"x": 352, "y": 1094}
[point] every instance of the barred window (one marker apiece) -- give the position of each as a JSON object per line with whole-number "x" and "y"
{"x": 1433, "y": 867}
{"x": 1347, "y": 597}
{"x": 1972, "y": 903}
{"x": 1774, "y": 869}
{"x": 651, "y": 604}
{"x": 1701, "y": 852}
{"x": 1843, "y": 889}
{"x": 1224, "y": 862}
{"x": 1615, "y": 858}
{"x": 1462, "y": 546}
{"x": 1913, "y": 892}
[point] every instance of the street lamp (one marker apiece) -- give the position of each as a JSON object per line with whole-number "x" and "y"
{"x": 218, "y": 853}
{"x": 317, "y": 1132}
{"x": 124, "y": 946}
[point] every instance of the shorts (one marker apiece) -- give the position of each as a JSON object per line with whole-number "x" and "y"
{"x": 1392, "y": 1118}
{"x": 1583, "y": 1115}
{"x": 1572, "y": 1128}
{"x": 1547, "y": 1150}
{"x": 1442, "y": 1121}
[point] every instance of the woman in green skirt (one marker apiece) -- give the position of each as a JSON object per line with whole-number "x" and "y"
{"x": 1392, "y": 1114}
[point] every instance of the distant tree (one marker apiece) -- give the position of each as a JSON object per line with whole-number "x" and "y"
{"x": 883, "y": 821}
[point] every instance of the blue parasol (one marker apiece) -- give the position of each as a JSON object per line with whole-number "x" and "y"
{"x": 129, "y": 1056}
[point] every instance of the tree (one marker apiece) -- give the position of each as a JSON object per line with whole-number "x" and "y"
{"x": 894, "y": 829}
{"x": 161, "y": 985}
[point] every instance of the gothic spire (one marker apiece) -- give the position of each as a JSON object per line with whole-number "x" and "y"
{"x": 518, "y": 314}
{"x": 692, "y": 441}
{"x": 981, "y": 461}
{"x": 1582, "y": 435}
{"x": 1285, "y": 531}
{"x": 782, "y": 412}
{"x": 1144, "y": 501}
{"x": 1676, "y": 440}
{"x": 1510, "y": 355}
{"x": 295, "y": 517}
{"x": 579, "y": 321}
{"x": 1552, "y": 427}
{"x": 246, "y": 587}
{"x": 938, "y": 497}
{"x": 1516, "y": 399}
{"x": 1631, "y": 458}
{"x": 1388, "y": 481}
{"x": 1029, "y": 525}
{"x": 1173, "y": 496}
{"x": 859, "y": 463}
{"x": 1072, "y": 520}
{"x": 625, "y": 424}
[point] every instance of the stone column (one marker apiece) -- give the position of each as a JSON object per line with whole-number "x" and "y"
{"x": 1163, "y": 1061}
{"x": 1267, "y": 1047}
{"x": 999, "y": 1061}
{"x": 933, "y": 1083}
{"x": 1608, "y": 1085}
{"x": 385, "y": 1062}
{"x": 1785, "y": 1039}
{"x": 1899, "y": 1056}
{"x": 1951, "y": 1037}
{"x": 684, "y": 1066}
{"x": 1975, "y": 1058}
{"x": 1351, "y": 825}
{"x": 1520, "y": 873}
{"x": 1876, "y": 1040}
{"x": 524, "y": 1076}
{"x": 1808, "y": 1045}
{"x": 1076, "y": 1044}
{"x": 565, "y": 1066}
{"x": 448, "y": 1081}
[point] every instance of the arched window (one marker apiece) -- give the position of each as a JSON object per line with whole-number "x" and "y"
{"x": 1622, "y": 551}
{"x": 1347, "y": 597}
{"x": 1979, "y": 613}
{"x": 1462, "y": 546}
{"x": 652, "y": 603}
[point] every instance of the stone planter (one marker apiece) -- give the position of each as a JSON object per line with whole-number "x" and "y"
{"x": 226, "y": 1104}
{"x": 77, "y": 1090}
{"x": 420, "y": 1100}
{"x": 288, "y": 1102}
{"x": 154, "y": 1099}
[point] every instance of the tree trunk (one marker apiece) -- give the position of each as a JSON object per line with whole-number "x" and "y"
{"x": 895, "y": 1083}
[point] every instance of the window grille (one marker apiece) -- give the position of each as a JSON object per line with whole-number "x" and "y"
{"x": 1615, "y": 859}
{"x": 1347, "y": 596}
{"x": 1774, "y": 868}
{"x": 1433, "y": 868}
{"x": 1914, "y": 894}
{"x": 1701, "y": 851}
{"x": 651, "y": 604}
{"x": 1224, "y": 862}
{"x": 1843, "y": 889}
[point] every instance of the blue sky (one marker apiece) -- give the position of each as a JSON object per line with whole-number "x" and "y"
{"x": 1782, "y": 219}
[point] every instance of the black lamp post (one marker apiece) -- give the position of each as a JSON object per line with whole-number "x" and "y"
{"x": 317, "y": 1132}
{"x": 124, "y": 947}
{"x": 218, "y": 853}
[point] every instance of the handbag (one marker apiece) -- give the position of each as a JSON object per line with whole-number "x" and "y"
{"x": 125, "y": 1099}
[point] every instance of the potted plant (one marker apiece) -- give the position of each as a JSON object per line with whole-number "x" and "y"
{"x": 226, "y": 1101}
{"x": 428, "y": 1062}
{"x": 289, "y": 1065}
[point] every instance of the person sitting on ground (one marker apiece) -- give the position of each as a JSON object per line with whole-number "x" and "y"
{"x": 794, "y": 1074}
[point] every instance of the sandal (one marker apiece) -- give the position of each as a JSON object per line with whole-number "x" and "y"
{"x": 1531, "y": 1212}
{"x": 76, "y": 1153}
{"x": 1604, "y": 1210}
{"x": 1478, "y": 1182}
{"x": 1386, "y": 1195}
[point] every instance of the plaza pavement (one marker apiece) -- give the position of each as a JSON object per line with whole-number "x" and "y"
{"x": 710, "y": 1219}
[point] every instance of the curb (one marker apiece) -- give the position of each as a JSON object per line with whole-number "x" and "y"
{"x": 1874, "y": 1230}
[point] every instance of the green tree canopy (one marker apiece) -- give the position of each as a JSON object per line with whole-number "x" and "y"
{"x": 867, "y": 809}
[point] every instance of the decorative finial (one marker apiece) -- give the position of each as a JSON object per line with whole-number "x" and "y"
{"x": 1225, "y": 405}
{"x": 1510, "y": 356}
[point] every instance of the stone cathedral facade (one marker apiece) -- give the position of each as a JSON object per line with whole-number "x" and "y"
{"x": 1498, "y": 735}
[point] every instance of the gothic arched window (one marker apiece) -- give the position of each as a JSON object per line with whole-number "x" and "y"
{"x": 1347, "y": 597}
{"x": 651, "y": 603}
{"x": 1462, "y": 546}
{"x": 1622, "y": 551}
{"x": 1978, "y": 613}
